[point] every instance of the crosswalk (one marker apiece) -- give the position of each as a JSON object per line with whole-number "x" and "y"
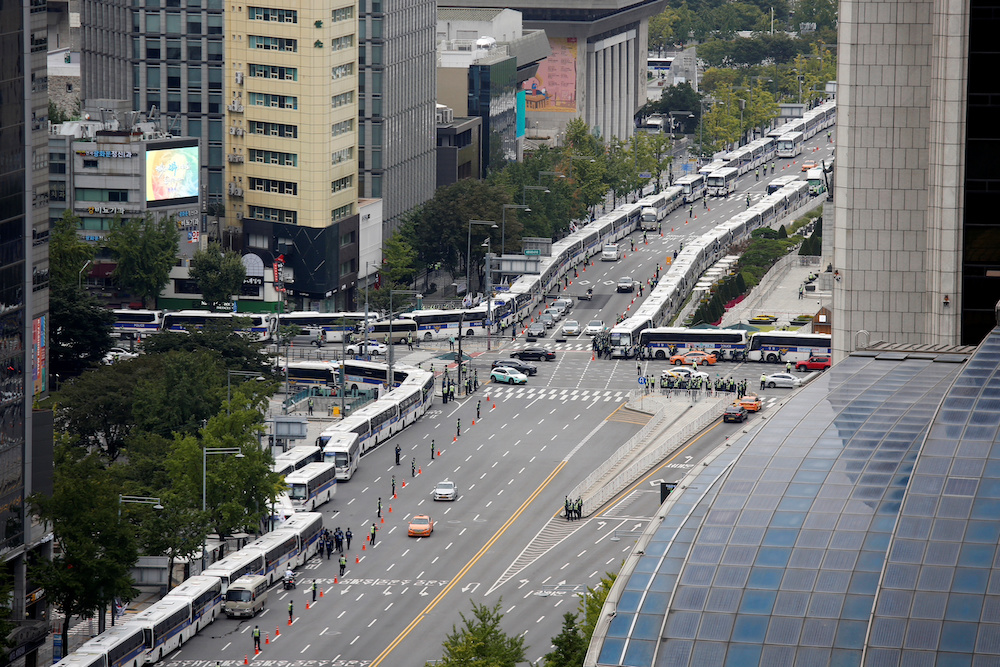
{"x": 585, "y": 395}
{"x": 568, "y": 346}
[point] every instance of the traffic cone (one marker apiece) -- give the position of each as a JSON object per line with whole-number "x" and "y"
{"x": 246, "y": 658}
{"x": 404, "y": 483}
{"x": 394, "y": 498}
{"x": 363, "y": 546}
{"x": 383, "y": 521}
{"x": 473, "y": 422}
{"x": 357, "y": 559}
{"x": 494, "y": 406}
{"x": 334, "y": 581}
{"x": 454, "y": 438}
{"x": 439, "y": 452}
{"x": 256, "y": 652}
{"x": 307, "y": 605}
{"x": 593, "y": 357}
{"x": 267, "y": 637}
{"x": 289, "y": 621}
{"x": 420, "y": 471}
{"x": 390, "y": 508}
{"x": 277, "y": 632}
{"x": 321, "y": 590}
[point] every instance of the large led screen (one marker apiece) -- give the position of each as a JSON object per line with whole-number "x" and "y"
{"x": 171, "y": 173}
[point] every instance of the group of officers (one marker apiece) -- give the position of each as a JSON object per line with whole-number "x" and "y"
{"x": 574, "y": 509}
{"x": 449, "y": 387}
{"x": 727, "y": 384}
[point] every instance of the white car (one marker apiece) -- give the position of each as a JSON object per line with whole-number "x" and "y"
{"x": 786, "y": 380}
{"x": 116, "y": 353}
{"x": 684, "y": 373}
{"x": 594, "y": 327}
{"x": 571, "y": 328}
{"x": 374, "y": 347}
{"x": 445, "y": 490}
{"x": 508, "y": 376}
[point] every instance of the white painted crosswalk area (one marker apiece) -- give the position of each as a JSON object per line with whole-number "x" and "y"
{"x": 530, "y": 393}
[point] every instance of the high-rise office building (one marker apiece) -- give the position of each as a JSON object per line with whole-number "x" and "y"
{"x": 914, "y": 227}
{"x": 291, "y": 144}
{"x": 396, "y": 104}
{"x": 165, "y": 54}
{"x": 25, "y": 434}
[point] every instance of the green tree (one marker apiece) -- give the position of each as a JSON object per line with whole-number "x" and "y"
{"x": 68, "y": 252}
{"x": 239, "y": 490}
{"x": 591, "y": 605}
{"x": 399, "y": 260}
{"x": 96, "y": 549}
{"x": 218, "y": 273}
{"x": 97, "y": 408}
{"x": 570, "y": 645}
{"x": 481, "y": 642}
{"x": 234, "y": 350}
{"x": 80, "y": 334}
{"x": 144, "y": 250}
{"x": 161, "y": 409}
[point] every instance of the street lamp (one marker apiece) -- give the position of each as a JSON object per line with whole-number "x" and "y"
{"x": 142, "y": 500}
{"x": 392, "y": 348}
{"x": 468, "y": 251}
{"x": 204, "y": 483}
{"x": 80, "y": 275}
{"x": 525, "y": 188}
{"x": 229, "y": 388}
{"x": 589, "y": 158}
{"x": 549, "y": 173}
{"x": 489, "y": 289}
{"x": 503, "y": 220}
{"x": 743, "y": 104}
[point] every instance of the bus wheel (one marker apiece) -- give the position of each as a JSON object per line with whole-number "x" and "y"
{"x": 772, "y": 358}
{"x": 428, "y": 336}
{"x": 469, "y": 333}
{"x": 660, "y": 355}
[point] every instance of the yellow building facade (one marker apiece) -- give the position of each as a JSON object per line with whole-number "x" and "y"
{"x": 291, "y": 131}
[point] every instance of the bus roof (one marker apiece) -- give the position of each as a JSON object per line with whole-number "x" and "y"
{"x": 307, "y": 471}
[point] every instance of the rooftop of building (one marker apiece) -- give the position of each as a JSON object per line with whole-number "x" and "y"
{"x": 857, "y": 524}
{"x": 468, "y": 13}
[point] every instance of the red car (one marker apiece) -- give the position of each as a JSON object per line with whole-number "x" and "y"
{"x": 814, "y": 364}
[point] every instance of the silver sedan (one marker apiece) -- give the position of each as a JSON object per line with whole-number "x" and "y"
{"x": 785, "y": 380}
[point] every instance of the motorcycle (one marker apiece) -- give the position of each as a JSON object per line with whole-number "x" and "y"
{"x": 288, "y": 581}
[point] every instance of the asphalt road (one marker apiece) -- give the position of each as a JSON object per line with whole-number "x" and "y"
{"x": 502, "y": 539}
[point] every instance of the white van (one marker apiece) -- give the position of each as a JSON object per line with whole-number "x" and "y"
{"x": 611, "y": 253}
{"x": 246, "y": 596}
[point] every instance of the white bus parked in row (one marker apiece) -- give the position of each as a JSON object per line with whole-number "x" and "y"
{"x": 723, "y": 182}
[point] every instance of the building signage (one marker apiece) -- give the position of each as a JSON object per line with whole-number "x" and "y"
{"x": 115, "y": 154}
{"x": 105, "y": 210}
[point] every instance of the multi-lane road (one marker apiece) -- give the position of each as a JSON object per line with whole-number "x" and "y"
{"x": 502, "y": 539}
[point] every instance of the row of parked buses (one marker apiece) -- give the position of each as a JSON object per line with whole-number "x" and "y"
{"x": 236, "y": 585}
{"x": 733, "y": 344}
{"x": 410, "y": 395}
{"x": 676, "y": 282}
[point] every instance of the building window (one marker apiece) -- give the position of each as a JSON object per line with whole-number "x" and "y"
{"x": 342, "y": 127}
{"x": 271, "y": 185}
{"x": 341, "y": 212}
{"x": 272, "y": 214}
{"x": 274, "y": 157}
{"x": 340, "y": 71}
{"x": 90, "y": 164}
{"x": 276, "y": 101}
{"x": 343, "y": 13}
{"x": 343, "y": 155}
{"x": 342, "y": 99}
{"x": 341, "y": 184}
{"x": 346, "y": 239}
{"x": 341, "y": 43}
{"x": 274, "y": 129}
{"x": 273, "y": 43}
{"x": 273, "y": 72}
{"x": 347, "y": 268}
{"x": 269, "y": 14}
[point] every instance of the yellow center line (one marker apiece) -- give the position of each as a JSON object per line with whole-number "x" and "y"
{"x": 468, "y": 566}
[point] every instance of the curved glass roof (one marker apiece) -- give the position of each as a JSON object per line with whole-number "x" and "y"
{"x": 858, "y": 524}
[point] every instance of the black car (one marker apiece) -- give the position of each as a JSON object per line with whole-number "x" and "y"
{"x": 517, "y": 365}
{"x": 536, "y": 330}
{"x": 537, "y": 353}
{"x": 735, "y": 413}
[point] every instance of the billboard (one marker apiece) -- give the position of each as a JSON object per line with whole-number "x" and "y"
{"x": 553, "y": 88}
{"x": 172, "y": 174}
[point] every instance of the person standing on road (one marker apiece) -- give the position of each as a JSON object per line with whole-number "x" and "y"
{"x": 256, "y": 638}
{"x": 310, "y": 406}
{"x": 393, "y": 486}
{"x": 568, "y": 510}
{"x": 788, "y": 367}
{"x": 329, "y": 546}
{"x": 459, "y": 426}
{"x": 413, "y": 467}
{"x": 397, "y": 454}
{"x": 638, "y": 368}
{"x": 378, "y": 511}
{"x": 291, "y": 611}
{"x": 763, "y": 380}
{"x": 432, "y": 449}
{"x": 343, "y": 565}
{"x": 314, "y": 590}
{"x": 372, "y": 531}
{"x": 478, "y": 405}
{"x": 756, "y": 174}
{"x": 348, "y": 535}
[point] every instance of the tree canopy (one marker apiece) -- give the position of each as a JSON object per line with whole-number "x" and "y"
{"x": 481, "y": 642}
{"x": 144, "y": 250}
{"x": 218, "y": 273}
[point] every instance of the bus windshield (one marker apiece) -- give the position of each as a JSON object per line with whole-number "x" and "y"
{"x": 341, "y": 459}
{"x": 299, "y": 492}
{"x": 235, "y": 595}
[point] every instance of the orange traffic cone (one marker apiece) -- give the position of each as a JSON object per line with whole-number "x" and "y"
{"x": 357, "y": 559}
{"x": 394, "y": 498}
{"x": 420, "y": 471}
{"x": 334, "y": 581}
{"x": 494, "y": 406}
{"x": 321, "y": 590}
{"x": 307, "y": 605}
{"x": 390, "y": 508}
{"x": 383, "y": 521}
{"x": 404, "y": 483}
{"x": 267, "y": 637}
{"x": 473, "y": 422}
{"x": 256, "y": 652}
{"x": 246, "y": 659}
{"x": 277, "y": 632}
{"x": 454, "y": 438}
{"x": 289, "y": 621}
{"x": 593, "y": 357}
{"x": 363, "y": 546}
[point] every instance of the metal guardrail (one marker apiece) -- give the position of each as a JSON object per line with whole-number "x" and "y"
{"x": 636, "y": 470}
{"x": 622, "y": 452}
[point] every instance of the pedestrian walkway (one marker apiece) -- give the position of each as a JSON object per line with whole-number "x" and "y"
{"x": 529, "y": 392}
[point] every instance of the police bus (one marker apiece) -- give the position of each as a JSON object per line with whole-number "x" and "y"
{"x": 308, "y": 488}
{"x": 785, "y": 346}
{"x": 204, "y": 594}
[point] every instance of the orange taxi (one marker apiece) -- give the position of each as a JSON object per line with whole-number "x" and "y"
{"x": 693, "y": 357}
{"x": 751, "y": 402}
{"x": 420, "y": 526}
{"x": 809, "y": 164}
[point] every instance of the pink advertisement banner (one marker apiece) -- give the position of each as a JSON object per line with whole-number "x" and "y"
{"x": 553, "y": 88}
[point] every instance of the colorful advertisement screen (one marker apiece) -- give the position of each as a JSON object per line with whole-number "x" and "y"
{"x": 172, "y": 173}
{"x": 553, "y": 88}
